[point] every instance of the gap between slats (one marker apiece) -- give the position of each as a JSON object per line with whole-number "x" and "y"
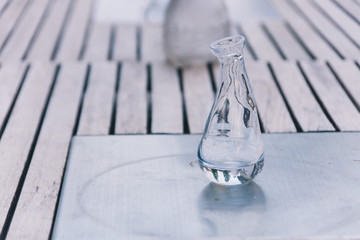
{"x": 28, "y": 160}
{"x": 35, "y": 211}
{"x": 11, "y": 25}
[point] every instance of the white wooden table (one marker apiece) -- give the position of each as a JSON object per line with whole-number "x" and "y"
{"x": 63, "y": 75}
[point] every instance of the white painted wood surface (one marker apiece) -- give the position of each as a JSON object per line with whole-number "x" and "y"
{"x": 98, "y": 101}
{"x": 9, "y": 18}
{"x": 286, "y": 42}
{"x": 73, "y": 38}
{"x": 343, "y": 44}
{"x": 45, "y": 42}
{"x": 131, "y": 110}
{"x": 333, "y": 97}
{"x": 150, "y": 187}
{"x": 341, "y": 18}
{"x": 21, "y": 38}
{"x": 351, "y": 7}
{"x": 10, "y": 79}
{"x": 36, "y": 207}
{"x": 272, "y": 110}
{"x": 3, "y": 3}
{"x": 313, "y": 41}
{"x": 198, "y": 96}
{"x": 349, "y": 75}
{"x": 167, "y": 114}
{"x": 303, "y": 104}
{"x": 263, "y": 48}
{"x": 20, "y": 130}
{"x": 125, "y": 43}
{"x": 97, "y": 48}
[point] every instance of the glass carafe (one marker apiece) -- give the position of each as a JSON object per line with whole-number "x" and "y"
{"x": 231, "y": 149}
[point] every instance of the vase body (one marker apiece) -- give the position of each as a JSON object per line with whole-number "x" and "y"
{"x": 190, "y": 26}
{"x": 231, "y": 149}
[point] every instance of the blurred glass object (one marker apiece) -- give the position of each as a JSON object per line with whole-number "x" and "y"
{"x": 154, "y": 12}
{"x": 231, "y": 149}
{"x": 190, "y": 26}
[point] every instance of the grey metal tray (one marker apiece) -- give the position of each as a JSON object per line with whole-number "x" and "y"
{"x": 150, "y": 187}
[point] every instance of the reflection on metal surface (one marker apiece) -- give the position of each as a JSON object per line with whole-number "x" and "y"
{"x": 209, "y": 210}
{"x": 115, "y": 173}
{"x": 219, "y": 204}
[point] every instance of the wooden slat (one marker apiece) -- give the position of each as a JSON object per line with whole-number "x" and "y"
{"x": 273, "y": 113}
{"x": 262, "y": 47}
{"x": 44, "y": 44}
{"x": 20, "y": 130}
{"x": 34, "y": 213}
{"x": 97, "y": 106}
{"x": 131, "y": 114}
{"x": 166, "y": 100}
{"x": 337, "y": 38}
{"x": 71, "y": 44}
{"x": 313, "y": 41}
{"x": 20, "y": 40}
{"x": 349, "y": 75}
{"x": 2, "y": 4}
{"x": 303, "y": 104}
{"x": 343, "y": 20}
{"x": 125, "y": 43}
{"x": 216, "y": 73}
{"x": 152, "y": 43}
{"x": 333, "y": 97}
{"x": 10, "y": 79}
{"x": 198, "y": 97}
{"x": 98, "y": 44}
{"x": 351, "y": 7}
{"x": 286, "y": 41}
{"x": 9, "y": 18}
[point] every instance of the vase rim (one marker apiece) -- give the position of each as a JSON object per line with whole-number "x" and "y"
{"x": 228, "y": 45}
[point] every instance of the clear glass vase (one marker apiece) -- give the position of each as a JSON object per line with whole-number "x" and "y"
{"x": 231, "y": 149}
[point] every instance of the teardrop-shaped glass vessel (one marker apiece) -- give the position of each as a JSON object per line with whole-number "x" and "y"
{"x": 231, "y": 149}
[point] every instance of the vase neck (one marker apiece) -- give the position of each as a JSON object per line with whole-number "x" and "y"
{"x": 231, "y": 69}
{"x": 235, "y": 59}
